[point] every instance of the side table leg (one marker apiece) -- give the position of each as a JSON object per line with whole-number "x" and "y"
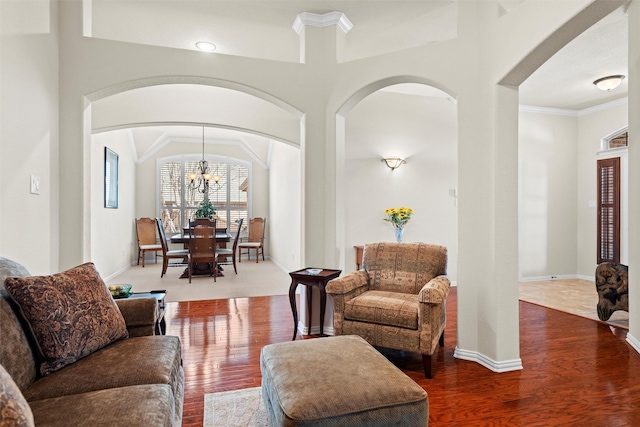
{"x": 309, "y": 292}
{"x": 294, "y": 310}
{"x": 323, "y": 306}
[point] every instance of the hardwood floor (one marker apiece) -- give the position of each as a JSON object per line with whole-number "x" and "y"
{"x": 576, "y": 371}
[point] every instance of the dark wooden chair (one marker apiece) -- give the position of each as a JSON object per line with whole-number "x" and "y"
{"x": 202, "y": 245}
{"x": 232, "y": 251}
{"x": 168, "y": 254}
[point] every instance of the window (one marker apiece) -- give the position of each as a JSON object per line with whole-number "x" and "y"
{"x": 179, "y": 202}
{"x": 609, "y": 210}
{"x": 619, "y": 139}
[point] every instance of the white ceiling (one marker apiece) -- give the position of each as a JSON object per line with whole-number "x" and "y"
{"x": 263, "y": 29}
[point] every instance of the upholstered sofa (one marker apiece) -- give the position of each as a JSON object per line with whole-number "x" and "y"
{"x": 130, "y": 378}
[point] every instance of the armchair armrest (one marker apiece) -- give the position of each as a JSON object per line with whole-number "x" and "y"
{"x": 140, "y": 315}
{"x": 346, "y": 284}
{"x": 435, "y": 291}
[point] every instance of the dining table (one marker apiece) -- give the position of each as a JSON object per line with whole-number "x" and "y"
{"x": 222, "y": 238}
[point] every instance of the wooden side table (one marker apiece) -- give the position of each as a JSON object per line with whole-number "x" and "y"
{"x": 303, "y": 277}
{"x": 359, "y": 252}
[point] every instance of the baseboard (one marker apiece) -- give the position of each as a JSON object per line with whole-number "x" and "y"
{"x": 493, "y": 365}
{"x": 551, "y": 277}
{"x": 122, "y": 270}
{"x": 315, "y": 330}
{"x": 633, "y": 342}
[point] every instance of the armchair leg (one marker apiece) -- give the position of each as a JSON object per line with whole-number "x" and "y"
{"x": 426, "y": 362}
{"x": 441, "y": 341}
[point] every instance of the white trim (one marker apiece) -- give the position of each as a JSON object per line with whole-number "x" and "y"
{"x": 546, "y": 110}
{"x": 633, "y": 342}
{"x": 493, "y": 365}
{"x": 165, "y": 140}
{"x": 573, "y": 113}
{"x": 605, "y": 106}
{"x": 326, "y": 20}
{"x": 551, "y": 277}
{"x": 315, "y": 329}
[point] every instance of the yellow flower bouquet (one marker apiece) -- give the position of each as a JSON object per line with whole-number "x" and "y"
{"x": 398, "y": 217}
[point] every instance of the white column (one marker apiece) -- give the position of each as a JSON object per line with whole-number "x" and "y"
{"x": 634, "y": 174}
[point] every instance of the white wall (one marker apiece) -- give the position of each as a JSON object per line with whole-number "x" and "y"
{"x": 592, "y": 128}
{"x": 113, "y": 233}
{"x": 548, "y": 162}
{"x": 29, "y": 133}
{"x": 285, "y": 205}
{"x": 422, "y": 130}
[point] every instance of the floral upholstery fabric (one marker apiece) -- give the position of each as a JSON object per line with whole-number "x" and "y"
{"x": 14, "y": 409}
{"x": 397, "y": 300}
{"x": 403, "y": 267}
{"x": 384, "y": 308}
{"x": 71, "y": 314}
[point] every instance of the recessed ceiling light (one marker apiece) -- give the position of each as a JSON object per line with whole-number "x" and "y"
{"x": 206, "y": 46}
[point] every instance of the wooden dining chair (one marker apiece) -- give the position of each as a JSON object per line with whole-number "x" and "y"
{"x": 255, "y": 239}
{"x": 168, "y": 254}
{"x": 232, "y": 251}
{"x": 146, "y": 232}
{"x": 202, "y": 245}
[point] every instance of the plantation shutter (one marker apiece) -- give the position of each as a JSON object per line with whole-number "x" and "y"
{"x": 609, "y": 210}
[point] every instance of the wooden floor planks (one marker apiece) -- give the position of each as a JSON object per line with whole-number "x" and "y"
{"x": 576, "y": 371}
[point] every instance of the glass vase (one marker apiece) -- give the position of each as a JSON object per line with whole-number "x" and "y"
{"x": 399, "y": 234}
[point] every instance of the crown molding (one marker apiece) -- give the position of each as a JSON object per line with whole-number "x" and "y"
{"x": 574, "y": 113}
{"x": 605, "y": 106}
{"x": 546, "y": 110}
{"x": 317, "y": 20}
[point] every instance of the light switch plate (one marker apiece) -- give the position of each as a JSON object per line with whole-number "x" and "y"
{"x": 35, "y": 184}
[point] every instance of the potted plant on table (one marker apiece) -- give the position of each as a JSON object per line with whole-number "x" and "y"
{"x": 206, "y": 209}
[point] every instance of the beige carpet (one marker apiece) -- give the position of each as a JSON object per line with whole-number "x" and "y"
{"x": 574, "y": 296}
{"x": 237, "y": 408}
{"x": 253, "y": 279}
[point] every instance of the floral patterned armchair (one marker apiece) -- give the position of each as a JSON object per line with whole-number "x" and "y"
{"x": 397, "y": 300}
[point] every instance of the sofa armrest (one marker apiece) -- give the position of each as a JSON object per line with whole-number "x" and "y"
{"x": 435, "y": 291}
{"x": 140, "y": 315}
{"x": 346, "y": 284}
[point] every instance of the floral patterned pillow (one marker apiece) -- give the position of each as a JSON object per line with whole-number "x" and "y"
{"x": 14, "y": 409}
{"x": 71, "y": 314}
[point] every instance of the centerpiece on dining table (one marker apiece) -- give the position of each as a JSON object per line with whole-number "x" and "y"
{"x": 398, "y": 217}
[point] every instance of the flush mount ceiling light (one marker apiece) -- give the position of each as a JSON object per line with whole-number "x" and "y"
{"x": 609, "y": 82}
{"x": 206, "y": 46}
{"x": 393, "y": 162}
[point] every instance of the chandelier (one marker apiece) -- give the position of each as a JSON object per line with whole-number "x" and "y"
{"x": 200, "y": 181}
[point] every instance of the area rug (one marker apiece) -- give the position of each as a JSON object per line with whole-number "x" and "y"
{"x": 237, "y": 408}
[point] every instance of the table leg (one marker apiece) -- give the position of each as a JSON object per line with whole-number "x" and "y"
{"x": 309, "y": 306}
{"x": 294, "y": 310}
{"x": 323, "y": 303}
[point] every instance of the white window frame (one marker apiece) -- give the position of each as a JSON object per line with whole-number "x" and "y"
{"x": 212, "y": 159}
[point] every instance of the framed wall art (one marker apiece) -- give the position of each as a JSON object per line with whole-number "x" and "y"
{"x": 110, "y": 179}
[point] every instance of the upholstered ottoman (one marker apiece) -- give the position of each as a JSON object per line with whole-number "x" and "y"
{"x": 337, "y": 381}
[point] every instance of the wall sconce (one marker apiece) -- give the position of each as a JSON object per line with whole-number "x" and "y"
{"x": 393, "y": 162}
{"x": 609, "y": 82}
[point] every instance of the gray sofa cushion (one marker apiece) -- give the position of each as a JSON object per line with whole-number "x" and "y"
{"x": 17, "y": 349}
{"x": 135, "y": 406}
{"x": 14, "y": 409}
